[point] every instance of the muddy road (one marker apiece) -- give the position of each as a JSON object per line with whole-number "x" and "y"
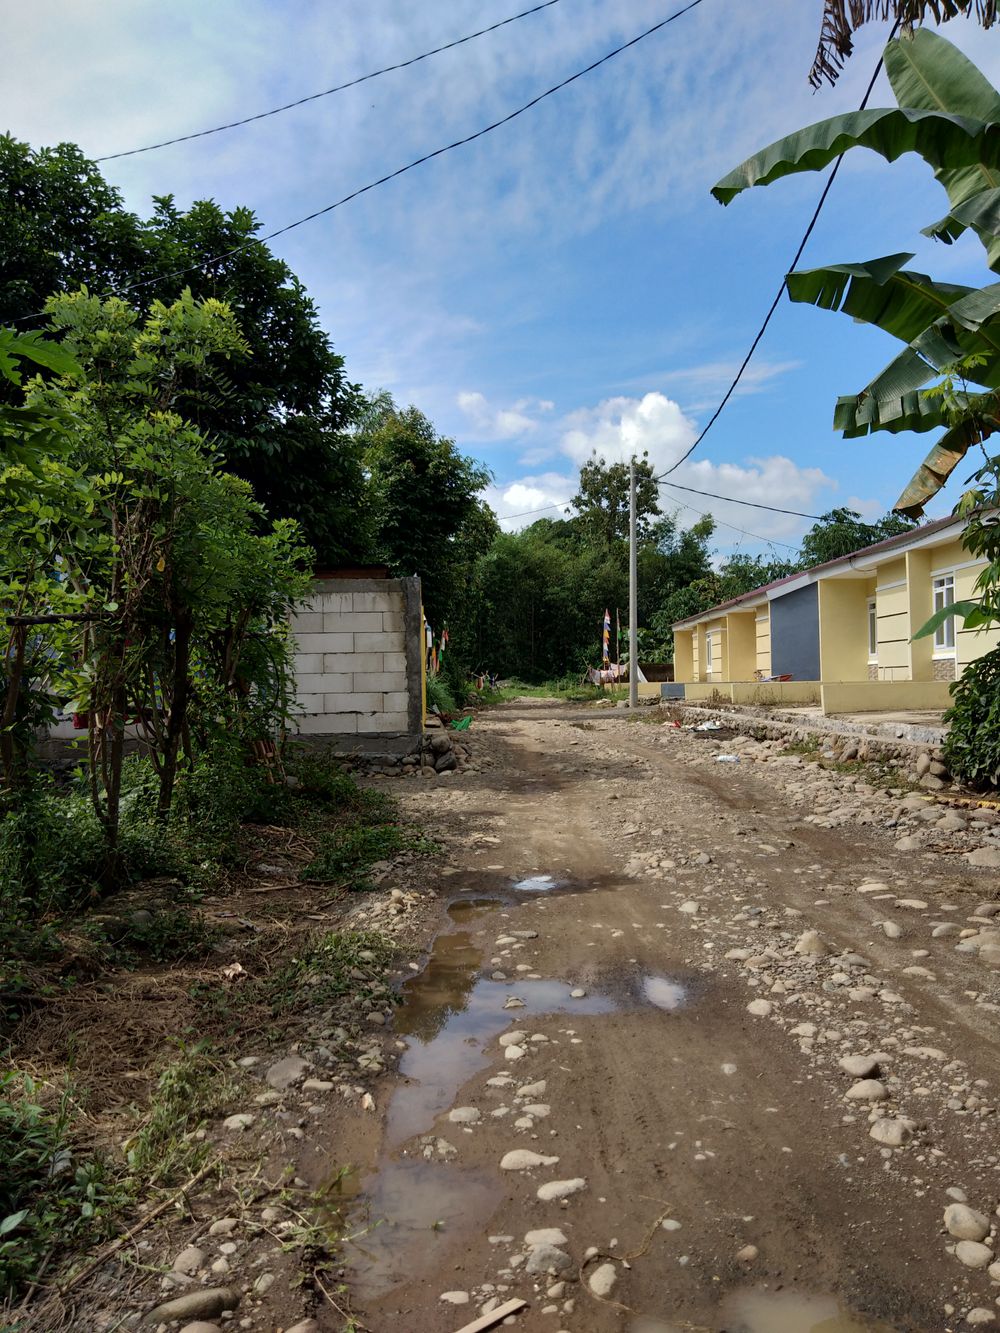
{"x": 620, "y": 1094}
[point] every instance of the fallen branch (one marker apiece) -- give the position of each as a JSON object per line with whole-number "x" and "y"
{"x": 494, "y": 1317}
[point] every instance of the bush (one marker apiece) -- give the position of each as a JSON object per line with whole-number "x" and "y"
{"x": 972, "y": 746}
{"x": 439, "y": 695}
{"x": 319, "y": 777}
{"x": 345, "y": 855}
{"x": 46, "y": 1200}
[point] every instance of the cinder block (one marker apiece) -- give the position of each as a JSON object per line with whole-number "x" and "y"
{"x": 392, "y": 622}
{"x": 309, "y": 703}
{"x": 358, "y": 701}
{"x": 310, "y": 643}
{"x": 379, "y": 680}
{"x": 394, "y": 662}
{"x": 370, "y": 601}
{"x": 307, "y": 605}
{"x": 306, "y": 622}
{"x": 354, "y": 622}
{"x": 388, "y": 722}
{"x": 328, "y": 724}
{"x": 338, "y": 662}
{"x": 338, "y": 641}
{"x": 378, "y": 643}
{"x": 335, "y": 603}
{"x": 375, "y": 724}
{"x": 307, "y": 683}
{"x": 337, "y": 684}
{"x": 395, "y": 702}
{"x": 304, "y": 663}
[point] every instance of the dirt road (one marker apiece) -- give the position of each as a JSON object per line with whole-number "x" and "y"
{"x": 589, "y": 1117}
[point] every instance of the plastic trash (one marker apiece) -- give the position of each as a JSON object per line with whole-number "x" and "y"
{"x": 727, "y": 759}
{"x": 708, "y": 726}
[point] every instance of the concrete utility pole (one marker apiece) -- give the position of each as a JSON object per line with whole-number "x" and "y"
{"x": 633, "y": 595}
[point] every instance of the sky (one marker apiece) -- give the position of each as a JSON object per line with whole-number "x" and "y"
{"x": 566, "y": 283}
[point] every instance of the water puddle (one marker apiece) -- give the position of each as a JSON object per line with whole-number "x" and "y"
{"x": 756, "y": 1311}
{"x": 663, "y": 992}
{"x": 537, "y": 884}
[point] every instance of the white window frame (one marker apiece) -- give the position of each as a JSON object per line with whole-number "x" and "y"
{"x": 872, "y": 630}
{"x": 709, "y": 650}
{"x": 944, "y": 635}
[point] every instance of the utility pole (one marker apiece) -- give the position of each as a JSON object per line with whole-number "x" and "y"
{"x": 633, "y": 595}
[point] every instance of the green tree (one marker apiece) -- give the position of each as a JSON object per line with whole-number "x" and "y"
{"x": 842, "y": 531}
{"x": 280, "y": 417}
{"x": 602, "y": 500}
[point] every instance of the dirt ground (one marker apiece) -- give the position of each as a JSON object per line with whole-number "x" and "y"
{"x": 721, "y": 1177}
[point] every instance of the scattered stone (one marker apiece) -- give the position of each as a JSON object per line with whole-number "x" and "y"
{"x": 224, "y": 1226}
{"x": 603, "y": 1279}
{"x": 860, "y": 1066}
{"x": 577, "y": 994}
{"x": 965, "y": 1223}
{"x": 192, "y": 1258}
{"x": 286, "y": 1072}
{"x": 209, "y": 1302}
{"x": 810, "y": 943}
{"x": 454, "y": 1297}
{"x": 544, "y": 1236}
{"x": 892, "y": 929}
{"x": 973, "y": 1254}
{"x": 560, "y": 1189}
{"x": 747, "y": 1254}
{"x": 465, "y": 1115}
{"x": 760, "y": 1008}
{"x": 200, "y": 1326}
{"x": 243, "y": 1120}
{"x": 891, "y": 1132}
{"x": 523, "y": 1159}
{"x": 867, "y": 1090}
{"x": 304, "y": 1326}
{"x": 690, "y": 908}
{"x": 513, "y": 1038}
{"x": 547, "y": 1259}
{"x": 980, "y": 1315}
{"x": 515, "y": 1052}
{"x": 988, "y": 858}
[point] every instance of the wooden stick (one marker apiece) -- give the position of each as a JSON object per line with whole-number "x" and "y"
{"x": 116, "y": 1245}
{"x": 494, "y": 1317}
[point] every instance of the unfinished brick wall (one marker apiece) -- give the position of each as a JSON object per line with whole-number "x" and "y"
{"x": 359, "y": 644}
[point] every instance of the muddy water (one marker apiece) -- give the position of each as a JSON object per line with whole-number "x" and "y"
{"x": 758, "y": 1311}
{"x": 663, "y": 992}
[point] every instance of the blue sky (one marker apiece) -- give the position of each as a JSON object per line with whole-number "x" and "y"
{"x": 564, "y": 284}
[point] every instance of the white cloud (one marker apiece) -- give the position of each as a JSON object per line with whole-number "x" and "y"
{"x": 620, "y": 427}
{"x": 495, "y": 423}
{"x": 520, "y": 503}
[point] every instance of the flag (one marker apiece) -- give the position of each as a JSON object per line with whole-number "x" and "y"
{"x": 618, "y": 636}
{"x": 607, "y": 637}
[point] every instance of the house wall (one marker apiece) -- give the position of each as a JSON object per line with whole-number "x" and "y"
{"x": 683, "y": 654}
{"x": 358, "y": 658}
{"x": 876, "y": 696}
{"x": 741, "y": 640}
{"x": 969, "y": 643}
{"x": 795, "y": 634}
{"x": 843, "y": 629}
{"x": 892, "y": 607}
{"x": 762, "y": 625}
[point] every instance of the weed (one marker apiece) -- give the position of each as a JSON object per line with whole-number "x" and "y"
{"x": 171, "y": 936}
{"x": 188, "y": 1090}
{"x": 345, "y": 855}
{"x": 334, "y": 964}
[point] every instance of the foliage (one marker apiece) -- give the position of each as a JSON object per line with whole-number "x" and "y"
{"x": 281, "y": 417}
{"x": 345, "y": 856}
{"x": 842, "y": 531}
{"x": 334, "y": 964}
{"x": 947, "y": 114}
{"x": 48, "y": 1199}
{"x": 602, "y": 502}
{"x": 171, "y": 936}
{"x": 439, "y": 695}
{"x": 972, "y": 745}
{"x": 164, "y": 1149}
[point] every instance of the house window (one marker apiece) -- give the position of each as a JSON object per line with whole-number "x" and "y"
{"x": 944, "y": 595}
{"x": 709, "y": 651}
{"x": 872, "y": 631}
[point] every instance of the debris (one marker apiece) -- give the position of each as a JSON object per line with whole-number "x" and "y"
{"x": 494, "y": 1317}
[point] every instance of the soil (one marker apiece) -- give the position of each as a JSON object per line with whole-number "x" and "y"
{"x": 689, "y": 1109}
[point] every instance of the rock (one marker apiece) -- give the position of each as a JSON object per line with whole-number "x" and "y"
{"x": 440, "y": 744}
{"x": 199, "y": 1326}
{"x": 304, "y": 1326}
{"x": 670, "y": 1224}
{"x": 912, "y": 842}
{"x": 892, "y": 929}
{"x": 523, "y": 1159}
{"x": 560, "y": 1189}
{"x": 891, "y": 1132}
{"x": 532, "y": 1089}
{"x": 444, "y": 763}
{"x": 375, "y": 1019}
{"x": 987, "y": 858}
{"x": 544, "y": 1236}
{"x": 932, "y": 783}
{"x": 515, "y": 1052}
{"x": 454, "y": 1297}
{"x": 191, "y": 1259}
{"x": 286, "y": 1072}
{"x": 577, "y": 994}
{"x": 263, "y": 1284}
{"x": 690, "y": 908}
{"x": 546, "y": 1259}
{"x": 916, "y": 904}
{"x": 980, "y": 1315}
{"x": 243, "y": 1120}
{"x": 513, "y": 1038}
{"x": 945, "y": 928}
{"x": 923, "y": 763}
{"x": 868, "y": 1090}
{"x": 760, "y": 1008}
{"x": 224, "y": 1226}
{"x": 973, "y": 1254}
{"x": 747, "y": 1254}
{"x": 465, "y": 1115}
{"x": 209, "y": 1301}
{"x": 964, "y": 1223}
{"x": 603, "y": 1279}
{"x": 859, "y": 1066}
{"x": 810, "y": 943}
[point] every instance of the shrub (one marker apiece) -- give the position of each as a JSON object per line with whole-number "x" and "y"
{"x": 345, "y": 855}
{"x": 439, "y": 695}
{"x": 972, "y": 746}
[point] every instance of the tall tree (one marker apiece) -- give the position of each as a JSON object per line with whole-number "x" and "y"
{"x": 842, "y": 531}
{"x": 841, "y": 18}
{"x": 602, "y": 501}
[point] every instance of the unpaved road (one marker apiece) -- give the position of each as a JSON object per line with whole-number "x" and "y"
{"x": 699, "y": 1127}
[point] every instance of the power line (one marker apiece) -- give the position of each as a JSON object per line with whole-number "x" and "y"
{"x": 427, "y": 157}
{"x": 731, "y": 499}
{"x": 766, "y": 541}
{"x": 327, "y": 92}
{"x": 781, "y": 290}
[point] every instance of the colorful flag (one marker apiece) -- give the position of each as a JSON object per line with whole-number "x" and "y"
{"x": 618, "y": 636}
{"x": 607, "y": 637}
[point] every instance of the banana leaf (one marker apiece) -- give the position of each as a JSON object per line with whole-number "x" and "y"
{"x": 879, "y": 292}
{"x": 940, "y": 463}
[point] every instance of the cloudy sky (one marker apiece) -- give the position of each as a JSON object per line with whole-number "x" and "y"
{"x": 564, "y": 284}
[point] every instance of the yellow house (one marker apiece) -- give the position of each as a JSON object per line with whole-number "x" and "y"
{"x": 841, "y": 633}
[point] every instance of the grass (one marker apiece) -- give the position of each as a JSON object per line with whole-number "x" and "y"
{"x": 567, "y": 690}
{"x": 333, "y": 965}
{"x": 346, "y": 855}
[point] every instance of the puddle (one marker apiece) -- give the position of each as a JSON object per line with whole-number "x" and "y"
{"x": 663, "y": 992}
{"x": 755, "y": 1311}
{"x": 537, "y": 884}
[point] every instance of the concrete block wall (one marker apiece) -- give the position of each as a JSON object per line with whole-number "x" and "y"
{"x": 358, "y": 658}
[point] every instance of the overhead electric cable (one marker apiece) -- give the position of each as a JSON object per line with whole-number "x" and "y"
{"x": 730, "y": 499}
{"x": 781, "y": 290}
{"x": 327, "y": 92}
{"x": 419, "y": 161}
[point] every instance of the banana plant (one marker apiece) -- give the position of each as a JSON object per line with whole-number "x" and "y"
{"x": 949, "y": 114}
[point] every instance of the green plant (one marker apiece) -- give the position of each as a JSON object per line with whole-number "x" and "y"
{"x": 47, "y": 1198}
{"x": 173, "y": 935}
{"x": 439, "y": 695}
{"x": 333, "y": 965}
{"x": 320, "y": 777}
{"x": 972, "y": 745}
{"x": 188, "y": 1090}
{"x": 344, "y": 855}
